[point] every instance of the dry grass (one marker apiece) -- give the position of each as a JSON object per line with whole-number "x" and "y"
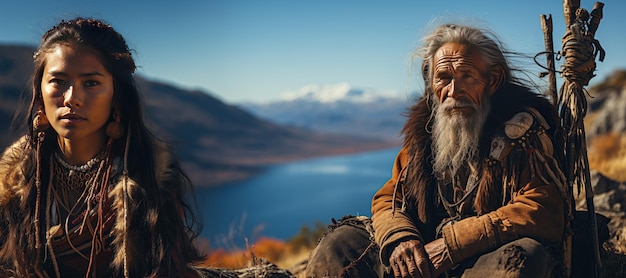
{"x": 271, "y": 249}
{"x": 607, "y": 155}
{"x": 292, "y": 259}
{"x": 290, "y": 255}
{"x": 280, "y": 253}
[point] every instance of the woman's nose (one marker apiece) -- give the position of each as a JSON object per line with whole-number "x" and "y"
{"x": 72, "y": 97}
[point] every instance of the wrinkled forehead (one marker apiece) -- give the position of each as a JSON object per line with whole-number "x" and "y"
{"x": 458, "y": 56}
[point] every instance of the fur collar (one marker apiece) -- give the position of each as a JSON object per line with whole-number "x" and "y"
{"x": 421, "y": 184}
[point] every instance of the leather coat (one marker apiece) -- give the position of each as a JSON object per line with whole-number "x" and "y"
{"x": 518, "y": 190}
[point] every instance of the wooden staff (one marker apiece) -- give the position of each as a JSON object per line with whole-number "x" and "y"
{"x": 579, "y": 48}
{"x": 546, "y": 25}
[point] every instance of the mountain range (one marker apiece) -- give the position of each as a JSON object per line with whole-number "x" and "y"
{"x": 217, "y": 142}
{"x": 339, "y": 109}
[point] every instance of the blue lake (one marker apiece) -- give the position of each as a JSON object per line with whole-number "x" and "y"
{"x": 279, "y": 201}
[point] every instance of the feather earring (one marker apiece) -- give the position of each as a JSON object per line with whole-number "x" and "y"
{"x": 114, "y": 128}
{"x": 40, "y": 122}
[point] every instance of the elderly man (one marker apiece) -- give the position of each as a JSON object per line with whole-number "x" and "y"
{"x": 476, "y": 189}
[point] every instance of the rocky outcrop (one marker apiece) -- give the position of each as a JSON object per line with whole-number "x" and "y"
{"x": 609, "y": 200}
{"x": 607, "y": 116}
{"x": 607, "y": 106}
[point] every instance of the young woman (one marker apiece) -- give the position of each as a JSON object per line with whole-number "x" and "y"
{"x": 89, "y": 190}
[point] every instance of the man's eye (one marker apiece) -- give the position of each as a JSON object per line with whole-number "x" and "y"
{"x": 442, "y": 75}
{"x": 444, "y": 78}
{"x": 468, "y": 75}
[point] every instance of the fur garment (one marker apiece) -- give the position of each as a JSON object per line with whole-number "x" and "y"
{"x": 144, "y": 233}
{"x": 421, "y": 185}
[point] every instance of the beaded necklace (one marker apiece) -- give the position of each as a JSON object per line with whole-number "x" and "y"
{"x": 71, "y": 182}
{"x": 82, "y": 168}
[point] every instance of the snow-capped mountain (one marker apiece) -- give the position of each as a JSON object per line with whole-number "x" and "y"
{"x": 338, "y": 92}
{"x": 339, "y": 108}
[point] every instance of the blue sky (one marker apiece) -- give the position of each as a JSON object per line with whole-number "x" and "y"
{"x": 259, "y": 50}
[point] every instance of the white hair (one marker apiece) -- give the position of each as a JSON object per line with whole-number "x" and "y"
{"x": 456, "y": 137}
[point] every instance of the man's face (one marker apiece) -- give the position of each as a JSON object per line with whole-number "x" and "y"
{"x": 460, "y": 77}
{"x": 461, "y": 108}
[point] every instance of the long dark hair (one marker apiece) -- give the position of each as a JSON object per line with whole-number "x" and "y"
{"x": 169, "y": 236}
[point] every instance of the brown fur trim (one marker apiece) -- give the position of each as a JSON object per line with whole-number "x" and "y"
{"x": 487, "y": 195}
{"x": 155, "y": 220}
{"x": 12, "y": 179}
{"x": 17, "y": 199}
{"x": 420, "y": 181}
{"x": 509, "y": 100}
{"x": 120, "y": 232}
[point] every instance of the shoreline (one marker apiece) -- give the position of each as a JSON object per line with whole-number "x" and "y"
{"x": 237, "y": 173}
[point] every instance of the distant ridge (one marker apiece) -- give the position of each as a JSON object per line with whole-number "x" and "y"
{"x": 340, "y": 109}
{"x": 218, "y": 143}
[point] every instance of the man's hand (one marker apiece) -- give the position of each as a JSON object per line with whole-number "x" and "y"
{"x": 438, "y": 255}
{"x": 410, "y": 259}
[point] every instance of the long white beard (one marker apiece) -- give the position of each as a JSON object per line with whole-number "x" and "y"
{"x": 456, "y": 136}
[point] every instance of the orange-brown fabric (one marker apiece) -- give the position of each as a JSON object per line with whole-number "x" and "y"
{"x": 537, "y": 212}
{"x": 392, "y": 224}
{"x": 526, "y": 178}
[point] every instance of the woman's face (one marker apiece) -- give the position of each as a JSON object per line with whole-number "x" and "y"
{"x": 77, "y": 92}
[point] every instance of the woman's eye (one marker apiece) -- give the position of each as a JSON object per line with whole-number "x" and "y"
{"x": 91, "y": 83}
{"x": 56, "y": 81}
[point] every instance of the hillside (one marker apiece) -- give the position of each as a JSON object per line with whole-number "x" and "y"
{"x": 606, "y": 126}
{"x": 217, "y": 142}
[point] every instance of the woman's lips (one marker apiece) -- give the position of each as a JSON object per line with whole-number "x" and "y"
{"x": 71, "y": 118}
